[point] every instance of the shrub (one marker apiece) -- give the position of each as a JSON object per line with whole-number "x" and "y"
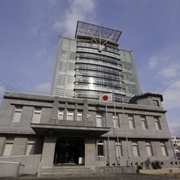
{"x": 156, "y": 165}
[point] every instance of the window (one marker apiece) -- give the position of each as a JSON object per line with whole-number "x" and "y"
{"x": 17, "y": 114}
{"x": 163, "y": 149}
{"x": 79, "y": 116}
{"x": 155, "y": 103}
{"x": 100, "y": 148}
{"x": 37, "y": 115}
{"x": 157, "y": 123}
{"x": 115, "y": 122}
{"x": 61, "y": 114}
{"x": 118, "y": 149}
{"x": 149, "y": 149}
{"x": 30, "y": 147}
{"x": 131, "y": 122}
{"x": 143, "y": 122}
{"x": 8, "y": 146}
{"x": 70, "y": 115}
{"x": 99, "y": 120}
{"x": 135, "y": 149}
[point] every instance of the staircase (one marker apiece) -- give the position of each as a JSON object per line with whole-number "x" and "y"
{"x": 67, "y": 171}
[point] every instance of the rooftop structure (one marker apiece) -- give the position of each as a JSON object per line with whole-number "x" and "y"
{"x": 87, "y": 29}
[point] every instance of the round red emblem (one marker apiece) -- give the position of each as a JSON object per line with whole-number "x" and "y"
{"x": 105, "y": 97}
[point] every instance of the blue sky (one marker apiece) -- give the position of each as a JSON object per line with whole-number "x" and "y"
{"x": 30, "y": 29}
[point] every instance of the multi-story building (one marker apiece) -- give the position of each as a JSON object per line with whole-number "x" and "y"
{"x": 43, "y": 134}
{"x": 176, "y": 143}
{"x": 93, "y": 64}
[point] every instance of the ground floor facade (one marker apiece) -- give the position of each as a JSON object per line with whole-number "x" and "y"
{"x": 63, "y": 150}
{"x": 45, "y": 132}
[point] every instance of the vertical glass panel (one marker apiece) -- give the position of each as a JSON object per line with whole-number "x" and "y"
{"x": 99, "y": 120}
{"x": 155, "y": 103}
{"x": 8, "y": 147}
{"x": 149, "y": 149}
{"x": 100, "y": 148}
{"x": 131, "y": 122}
{"x": 30, "y": 148}
{"x": 157, "y": 123}
{"x": 143, "y": 122}
{"x": 79, "y": 116}
{"x": 163, "y": 149}
{"x": 17, "y": 114}
{"x": 61, "y": 114}
{"x": 115, "y": 122}
{"x": 135, "y": 149}
{"x": 37, "y": 115}
{"x": 118, "y": 149}
{"x": 70, "y": 115}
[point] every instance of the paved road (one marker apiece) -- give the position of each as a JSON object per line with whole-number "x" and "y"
{"x": 113, "y": 177}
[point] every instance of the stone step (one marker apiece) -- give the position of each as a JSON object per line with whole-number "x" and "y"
{"x": 66, "y": 170}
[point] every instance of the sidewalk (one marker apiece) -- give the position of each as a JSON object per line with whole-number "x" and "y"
{"x": 106, "y": 177}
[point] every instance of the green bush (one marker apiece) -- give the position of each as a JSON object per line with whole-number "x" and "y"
{"x": 156, "y": 165}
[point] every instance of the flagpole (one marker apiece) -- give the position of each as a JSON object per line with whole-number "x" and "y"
{"x": 117, "y": 138}
{"x": 127, "y": 143}
{"x": 108, "y": 152}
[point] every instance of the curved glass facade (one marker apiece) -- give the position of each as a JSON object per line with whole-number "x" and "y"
{"x": 97, "y": 72}
{"x": 92, "y": 65}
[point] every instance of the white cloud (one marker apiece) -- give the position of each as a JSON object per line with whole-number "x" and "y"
{"x": 174, "y": 126}
{"x": 172, "y": 95}
{"x": 153, "y": 61}
{"x": 43, "y": 88}
{"x": 2, "y": 89}
{"x": 170, "y": 72}
{"x": 34, "y": 29}
{"x": 83, "y": 10}
{"x": 52, "y": 2}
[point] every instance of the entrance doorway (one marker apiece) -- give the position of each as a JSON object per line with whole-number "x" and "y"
{"x": 68, "y": 151}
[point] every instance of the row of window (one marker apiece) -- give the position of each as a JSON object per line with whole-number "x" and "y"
{"x": 131, "y": 122}
{"x": 99, "y": 58}
{"x": 135, "y": 149}
{"x": 95, "y": 51}
{"x": 93, "y": 61}
{"x": 92, "y": 45}
{"x": 18, "y": 111}
{"x": 95, "y": 80}
{"x": 100, "y": 74}
{"x": 98, "y": 68}
{"x": 70, "y": 115}
{"x": 9, "y": 146}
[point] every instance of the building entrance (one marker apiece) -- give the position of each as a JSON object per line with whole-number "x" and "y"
{"x": 69, "y": 152}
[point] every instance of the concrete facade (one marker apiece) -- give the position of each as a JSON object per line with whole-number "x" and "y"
{"x": 57, "y": 131}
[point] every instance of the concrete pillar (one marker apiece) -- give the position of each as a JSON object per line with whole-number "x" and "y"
{"x": 2, "y": 144}
{"x": 19, "y": 146}
{"x": 48, "y": 152}
{"x": 90, "y": 152}
{"x": 54, "y": 114}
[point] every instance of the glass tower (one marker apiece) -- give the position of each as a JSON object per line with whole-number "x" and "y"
{"x": 92, "y": 64}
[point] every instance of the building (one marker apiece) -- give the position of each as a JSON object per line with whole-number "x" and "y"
{"x": 92, "y": 64}
{"x": 43, "y": 132}
{"x": 176, "y": 143}
{"x": 72, "y": 128}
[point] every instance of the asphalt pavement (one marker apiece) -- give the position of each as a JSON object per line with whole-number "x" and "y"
{"x": 105, "y": 177}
